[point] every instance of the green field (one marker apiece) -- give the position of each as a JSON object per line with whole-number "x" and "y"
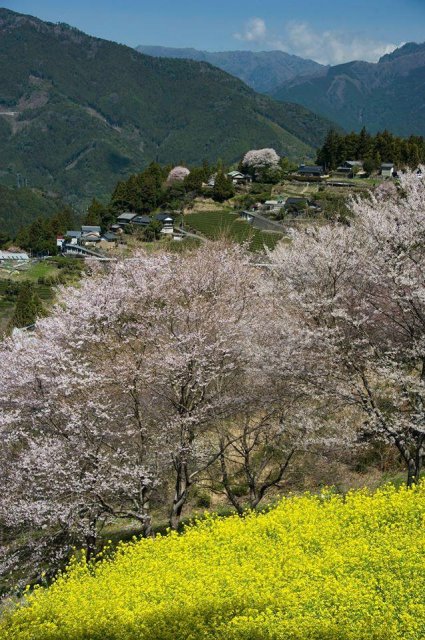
{"x": 222, "y": 224}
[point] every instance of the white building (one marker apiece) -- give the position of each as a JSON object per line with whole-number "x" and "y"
{"x": 387, "y": 169}
{"x": 13, "y": 256}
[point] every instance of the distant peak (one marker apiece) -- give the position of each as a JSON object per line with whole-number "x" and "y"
{"x": 405, "y": 50}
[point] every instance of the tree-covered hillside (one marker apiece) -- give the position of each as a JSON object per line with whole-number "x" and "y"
{"x": 80, "y": 112}
{"x": 387, "y": 95}
{"x": 19, "y": 207}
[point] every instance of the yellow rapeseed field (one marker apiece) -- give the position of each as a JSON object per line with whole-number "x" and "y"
{"x": 322, "y": 568}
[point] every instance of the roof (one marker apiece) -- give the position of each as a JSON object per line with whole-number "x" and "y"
{"x": 354, "y": 163}
{"x": 294, "y": 200}
{"x": 236, "y": 174}
{"x": 109, "y": 236}
{"x": 141, "y": 220}
{"x": 272, "y": 202}
{"x": 91, "y": 237}
{"x": 90, "y": 229}
{"x": 387, "y": 165}
{"x": 162, "y": 216}
{"x": 12, "y": 255}
{"x": 73, "y": 234}
{"x": 126, "y": 217}
{"x": 310, "y": 169}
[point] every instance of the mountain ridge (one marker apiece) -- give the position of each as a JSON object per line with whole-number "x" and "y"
{"x": 388, "y": 94}
{"x": 263, "y": 71}
{"x": 83, "y": 112}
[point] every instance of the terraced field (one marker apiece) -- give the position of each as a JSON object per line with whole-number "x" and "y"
{"x": 223, "y": 224}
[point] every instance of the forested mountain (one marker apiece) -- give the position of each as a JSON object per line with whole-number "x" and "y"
{"x": 79, "y": 113}
{"x": 387, "y": 95}
{"x": 19, "y": 207}
{"x": 264, "y": 71}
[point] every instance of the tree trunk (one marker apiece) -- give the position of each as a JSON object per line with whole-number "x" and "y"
{"x": 91, "y": 541}
{"x": 180, "y": 496}
{"x": 147, "y": 531}
{"x": 414, "y": 470}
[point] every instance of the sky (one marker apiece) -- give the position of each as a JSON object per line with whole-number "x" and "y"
{"x": 328, "y": 31}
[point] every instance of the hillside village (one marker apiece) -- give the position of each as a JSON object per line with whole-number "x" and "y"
{"x": 247, "y": 210}
{"x": 297, "y": 198}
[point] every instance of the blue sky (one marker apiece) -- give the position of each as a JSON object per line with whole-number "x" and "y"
{"x": 330, "y": 31}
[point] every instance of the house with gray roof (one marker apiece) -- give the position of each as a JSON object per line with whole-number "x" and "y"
{"x": 387, "y": 169}
{"x": 311, "y": 171}
{"x": 90, "y": 229}
{"x": 125, "y": 218}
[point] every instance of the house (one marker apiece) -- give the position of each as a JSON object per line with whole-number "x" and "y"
{"x": 273, "y": 205}
{"x": 90, "y": 229}
{"x": 350, "y": 168}
{"x": 387, "y": 169}
{"x": 239, "y": 178}
{"x": 90, "y": 238}
{"x": 141, "y": 221}
{"x": 109, "y": 236}
{"x": 311, "y": 171}
{"x": 144, "y": 220}
{"x": 73, "y": 237}
{"x": 125, "y": 218}
{"x": 167, "y": 226}
{"x": 90, "y": 235}
{"x": 13, "y": 256}
{"x": 162, "y": 217}
{"x": 296, "y": 205}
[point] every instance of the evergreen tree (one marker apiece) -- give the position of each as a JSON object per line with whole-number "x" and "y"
{"x": 364, "y": 145}
{"x": 193, "y": 181}
{"x": 223, "y": 187}
{"x": 331, "y": 154}
{"x": 28, "y": 306}
{"x": 100, "y": 215}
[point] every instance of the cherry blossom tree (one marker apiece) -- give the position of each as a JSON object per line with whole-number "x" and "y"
{"x": 177, "y": 174}
{"x": 257, "y": 159}
{"x": 113, "y": 397}
{"x": 209, "y": 322}
{"x": 359, "y": 294}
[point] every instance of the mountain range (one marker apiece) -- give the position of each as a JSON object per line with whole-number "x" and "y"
{"x": 389, "y": 94}
{"x": 263, "y": 71}
{"x": 78, "y": 113}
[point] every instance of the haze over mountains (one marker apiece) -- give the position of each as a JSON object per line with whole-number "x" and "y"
{"x": 263, "y": 71}
{"x": 79, "y": 113}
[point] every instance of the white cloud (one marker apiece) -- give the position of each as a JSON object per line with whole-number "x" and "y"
{"x": 327, "y": 47}
{"x": 255, "y": 30}
{"x": 333, "y": 47}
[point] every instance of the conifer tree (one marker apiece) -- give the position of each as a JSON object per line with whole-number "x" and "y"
{"x": 223, "y": 187}
{"x": 28, "y": 307}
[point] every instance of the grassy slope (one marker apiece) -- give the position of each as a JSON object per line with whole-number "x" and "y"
{"x": 322, "y": 568}
{"x": 92, "y": 111}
